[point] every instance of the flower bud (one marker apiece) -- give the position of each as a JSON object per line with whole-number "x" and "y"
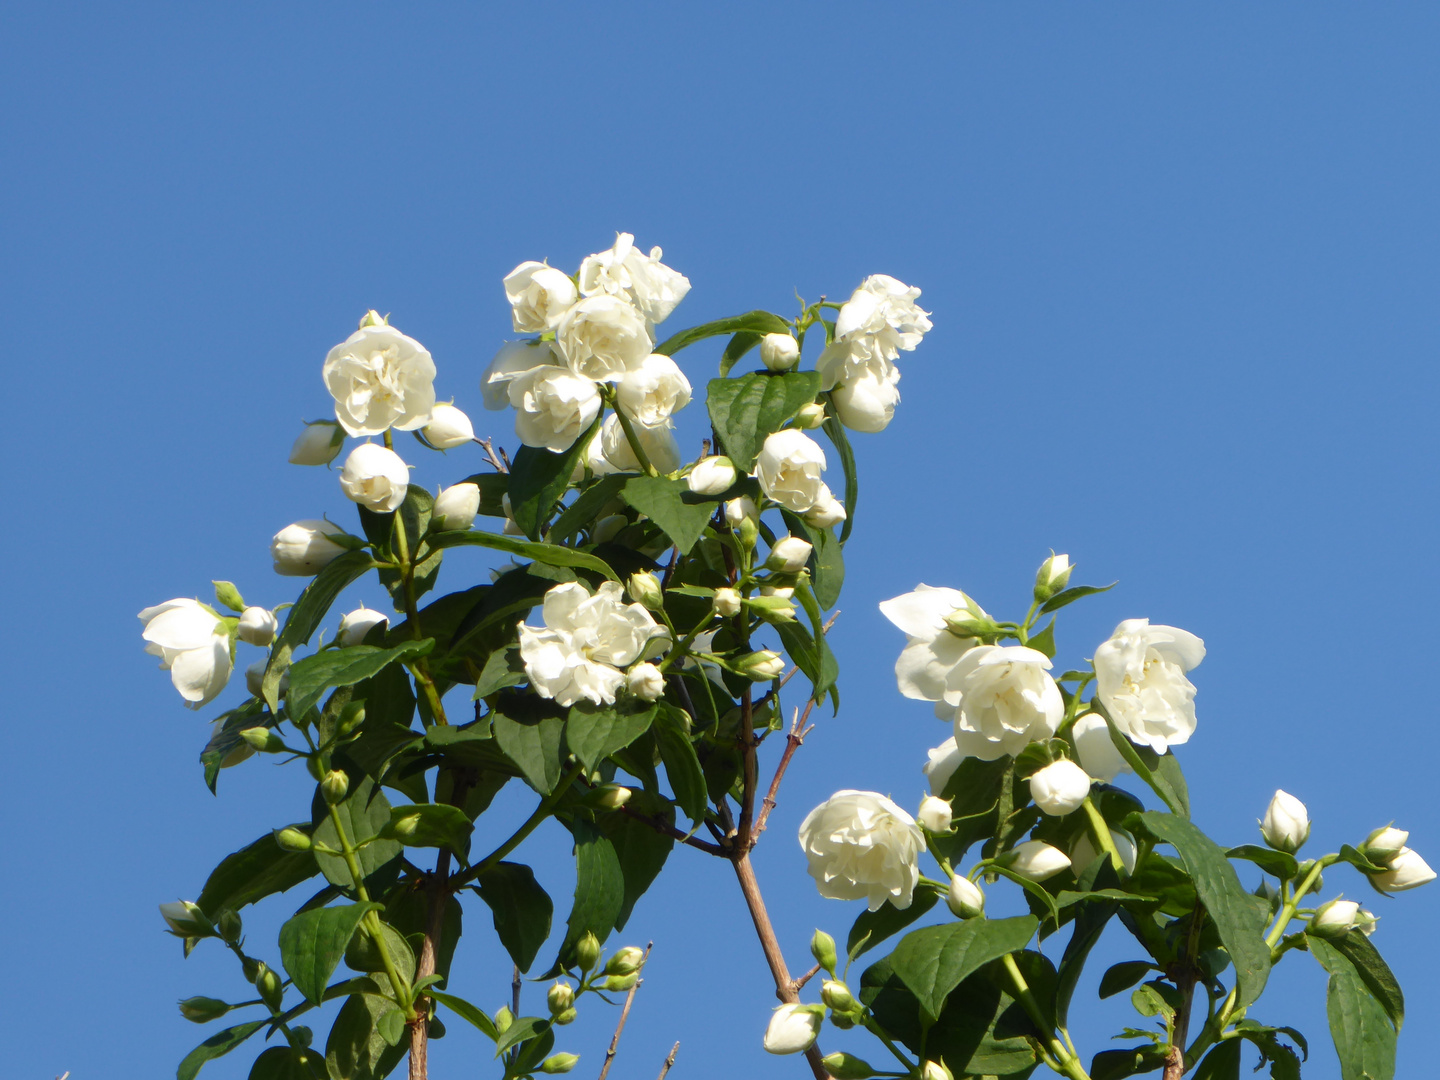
{"x": 351, "y": 717}
{"x": 844, "y": 1066}
{"x": 1335, "y": 919}
{"x": 1407, "y": 870}
{"x": 827, "y": 510}
{"x": 625, "y": 961}
{"x": 738, "y": 511}
{"x": 621, "y": 983}
{"x": 266, "y": 740}
{"x": 727, "y": 602}
{"x": 964, "y": 898}
{"x": 712, "y": 475}
{"x": 456, "y": 507}
{"x": 560, "y": 997}
{"x": 255, "y": 678}
{"x": 609, "y": 797}
{"x": 587, "y": 951}
{"x": 293, "y": 840}
{"x": 1053, "y": 575}
{"x": 772, "y": 607}
{"x": 1287, "y": 823}
{"x": 257, "y": 626}
{"x": 250, "y": 967}
{"x": 1060, "y": 787}
{"x": 305, "y": 548}
{"x": 373, "y": 318}
{"x": 335, "y": 787}
{"x": 761, "y": 666}
{"x": 822, "y": 947}
{"x": 605, "y": 529}
{"x": 269, "y": 987}
{"x": 1036, "y": 860}
{"x": 228, "y": 596}
{"x": 811, "y": 416}
{"x": 559, "y": 1063}
{"x": 358, "y": 623}
{"x": 793, "y": 1029}
{"x": 935, "y": 1070}
{"x": 645, "y": 590}
{"x": 318, "y": 444}
{"x": 1382, "y": 845}
{"x": 375, "y": 477}
{"x": 565, "y": 1016}
{"x": 503, "y": 1019}
{"x": 789, "y": 555}
{"x": 448, "y": 428}
{"x": 201, "y": 1010}
{"x": 645, "y": 681}
{"x": 934, "y": 814}
{"x": 230, "y": 926}
{"x": 1083, "y": 851}
{"x": 779, "y": 352}
{"x": 185, "y": 919}
{"x": 837, "y": 995}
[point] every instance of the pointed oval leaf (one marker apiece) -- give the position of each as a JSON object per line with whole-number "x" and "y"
{"x": 312, "y": 943}
{"x": 932, "y": 961}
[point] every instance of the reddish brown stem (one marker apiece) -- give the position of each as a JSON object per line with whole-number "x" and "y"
{"x": 425, "y": 965}
{"x": 793, "y": 739}
{"x": 665, "y": 828}
{"x": 624, "y": 1015}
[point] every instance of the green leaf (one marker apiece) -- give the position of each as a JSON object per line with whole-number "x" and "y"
{"x": 538, "y": 478}
{"x": 827, "y": 561}
{"x": 533, "y": 744}
{"x": 1069, "y": 596}
{"x": 811, "y": 652}
{"x": 737, "y": 347}
{"x": 217, "y": 1045}
{"x": 312, "y": 943}
{"x": 550, "y": 554}
{"x": 682, "y": 765}
{"x": 594, "y": 732}
{"x": 1124, "y": 975}
{"x": 364, "y": 812}
{"x": 522, "y": 1029}
{"x": 463, "y": 1008}
{"x": 362, "y": 954}
{"x": 747, "y": 410}
{"x": 381, "y": 529}
{"x": 1115, "y": 1064}
{"x": 503, "y": 667}
{"x": 1044, "y": 641}
{"x": 677, "y": 510}
{"x": 587, "y": 506}
{"x": 1221, "y": 1063}
{"x": 285, "y": 1063}
{"x": 522, "y": 911}
{"x": 436, "y": 825}
{"x": 755, "y": 322}
{"x": 836, "y": 431}
{"x": 642, "y": 852}
{"x": 873, "y": 927}
{"x": 312, "y": 676}
{"x": 307, "y": 615}
{"x": 258, "y": 870}
{"x": 356, "y": 1049}
{"x": 1090, "y": 922}
{"x": 932, "y": 961}
{"x": 1278, "y": 863}
{"x": 1240, "y": 922}
{"x": 1145, "y": 762}
{"x": 599, "y": 889}
{"x": 1363, "y": 1037}
{"x": 1354, "y": 954}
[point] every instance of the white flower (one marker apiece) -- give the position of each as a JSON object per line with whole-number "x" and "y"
{"x": 608, "y": 527}
{"x": 738, "y": 511}
{"x": 584, "y": 640}
{"x": 964, "y": 898}
{"x": 789, "y": 555}
{"x": 925, "y": 669}
{"x": 789, "y": 467}
{"x": 358, "y": 623}
{"x": 1037, "y": 860}
{"x": 257, "y": 626}
{"x": 1007, "y": 700}
{"x": 553, "y": 407}
{"x": 654, "y": 390}
{"x": 514, "y": 358}
{"x": 727, "y": 602}
{"x": 193, "y": 645}
{"x": 1059, "y": 788}
{"x": 827, "y": 510}
{"x": 1083, "y": 852}
{"x": 375, "y": 477}
{"x": 935, "y": 814}
{"x": 448, "y": 428}
{"x": 645, "y": 681}
{"x": 860, "y": 845}
{"x": 712, "y": 475}
{"x": 658, "y": 443}
{"x": 602, "y": 337}
{"x": 944, "y": 760}
{"x": 318, "y": 443}
{"x": 793, "y": 1029}
{"x": 380, "y": 379}
{"x": 456, "y": 507}
{"x": 644, "y": 281}
{"x": 1140, "y": 677}
{"x": 1407, "y": 870}
{"x": 1099, "y": 755}
{"x": 779, "y": 352}
{"x": 538, "y": 295}
{"x": 866, "y": 400}
{"x": 511, "y": 527}
{"x": 1287, "y": 823}
{"x": 304, "y": 548}
{"x": 879, "y": 320}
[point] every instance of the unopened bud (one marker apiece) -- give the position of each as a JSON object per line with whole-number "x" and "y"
{"x": 560, "y": 997}
{"x": 606, "y": 528}
{"x": 964, "y": 898}
{"x": 645, "y": 589}
{"x": 789, "y": 555}
{"x": 1335, "y": 919}
{"x": 727, "y": 602}
{"x": 227, "y": 595}
{"x": 304, "y": 1036}
{"x": 822, "y": 947}
{"x": 934, "y": 1070}
{"x": 319, "y": 443}
{"x": 456, "y": 507}
{"x": 844, "y": 1066}
{"x": 739, "y": 510}
{"x": 625, "y": 961}
{"x": 185, "y": 919}
{"x": 935, "y": 814}
{"x": 565, "y": 1016}
{"x": 773, "y": 608}
{"x": 1053, "y": 575}
{"x": 837, "y": 995}
{"x": 268, "y": 985}
{"x": 587, "y": 951}
{"x": 609, "y": 797}
{"x": 1286, "y": 825}
{"x": 335, "y": 787}
{"x": 448, "y": 428}
{"x": 202, "y": 1010}
{"x": 503, "y": 1019}
{"x": 257, "y": 626}
{"x": 620, "y": 983}
{"x": 779, "y": 352}
{"x": 559, "y": 1063}
{"x": 712, "y": 476}
{"x": 761, "y": 666}
{"x": 251, "y": 968}
{"x": 811, "y": 416}
{"x": 293, "y": 840}
{"x": 645, "y": 681}
{"x": 266, "y": 740}
{"x": 230, "y": 926}
{"x": 1382, "y": 845}
{"x": 351, "y": 717}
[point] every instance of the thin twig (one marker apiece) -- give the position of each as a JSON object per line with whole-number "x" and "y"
{"x": 666, "y": 829}
{"x": 624, "y": 1015}
{"x": 663, "y": 1068}
{"x": 499, "y": 464}
{"x": 793, "y": 739}
{"x": 799, "y": 984}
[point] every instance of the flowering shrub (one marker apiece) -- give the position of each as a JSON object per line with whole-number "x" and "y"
{"x": 628, "y": 666}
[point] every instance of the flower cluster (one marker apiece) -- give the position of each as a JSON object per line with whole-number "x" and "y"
{"x": 879, "y": 320}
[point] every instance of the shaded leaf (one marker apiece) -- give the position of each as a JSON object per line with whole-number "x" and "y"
{"x": 306, "y": 616}
{"x": 364, "y": 812}
{"x": 755, "y": 322}
{"x": 594, "y": 732}
{"x": 747, "y": 410}
{"x": 682, "y": 766}
{"x": 836, "y": 431}
{"x": 550, "y": 554}
{"x": 1069, "y": 596}
{"x": 827, "y": 562}
{"x": 312, "y": 943}
{"x": 258, "y": 870}
{"x": 533, "y": 744}
{"x": 932, "y": 961}
{"x": 1278, "y": 863}
{"x": 521, "y": 909}
{"x": 312, "y": 676}
{"x": 1124, "y": 975}
{"x": 599, "y": 889}
{"x": 1363, "y": 1037}
{"x": 284, "y": 1063}
{"x": 736, "y": 348}
{"x": 217, "y": 1045}
{"x": 1354, "y": 954}
{"x": 642, "y": 852}
{"x": 671, "y": 504}
{"x": 356, "y": 1048}
{"x": 436, "y": 825}
{"x": 1146, "y": 762}
{"x": 873, "y": 927}
{"x": 463, "y": 1008}
{"x": 538, "y": 478}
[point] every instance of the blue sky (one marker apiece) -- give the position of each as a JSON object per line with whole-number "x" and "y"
{"x": 1182, "y": 264}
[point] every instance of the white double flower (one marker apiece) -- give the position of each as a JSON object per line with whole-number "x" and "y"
{"x": 861, "y": 846}
{"x": 877, "y": 323}
{"x": 788, "y": 467}
{"x": 1140, "y": 679}
{"x": 577, "y": 655}
{"x": 380, "y": 379}
{"x": 642, "y": 280}
{"x": 193, "y": 645}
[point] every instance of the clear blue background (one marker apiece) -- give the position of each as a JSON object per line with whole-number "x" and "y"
{"x": 1182, "y": 264}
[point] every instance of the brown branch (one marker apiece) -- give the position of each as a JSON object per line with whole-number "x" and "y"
{"x": 799, "y": 984}
{"x": 668, "y": 1061}
{"x": 793, "y": 739}
{"x": 624, "y": 1015}
{"x": 750, "y": 767}
{"x": 502, "y": 463}
{"x": 666, "y": 829}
